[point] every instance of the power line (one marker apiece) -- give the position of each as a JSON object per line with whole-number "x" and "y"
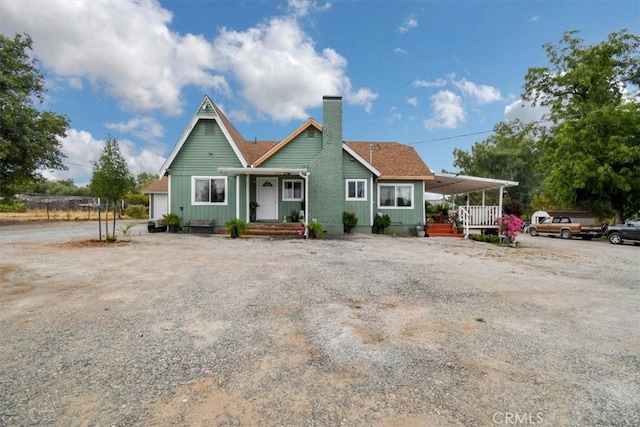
{"x": 446, "y": 138}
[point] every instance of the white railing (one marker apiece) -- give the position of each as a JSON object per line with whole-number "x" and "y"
{"x": 478, "y": 216}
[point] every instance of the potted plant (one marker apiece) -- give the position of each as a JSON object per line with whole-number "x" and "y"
{"x": 253, "y": 206}
{"x": 420, "y": 231}
{"x": 315, "y": 229}
{"x": 295, "y": 215}
{"x": 349, "y": 220}
{"x": 236, "y": 227}
{"x": 173, "y": 222}
{"x": 380, "y": 222}
{"x": 459, "y": 226}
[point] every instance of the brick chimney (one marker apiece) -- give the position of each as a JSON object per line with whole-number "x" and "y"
{"x": 326, "y": 184}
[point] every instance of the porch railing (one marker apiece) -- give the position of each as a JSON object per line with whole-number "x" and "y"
{"x": 474, "y": 217}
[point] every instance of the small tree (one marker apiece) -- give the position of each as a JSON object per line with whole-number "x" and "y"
{"x": 111, "y": 178}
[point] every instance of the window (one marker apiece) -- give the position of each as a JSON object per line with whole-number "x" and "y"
{"x": 356, "y": 189}
{"x": 209, "y": 190}
{"x": 395, "y": 195}
{"x": 292, "y": 190}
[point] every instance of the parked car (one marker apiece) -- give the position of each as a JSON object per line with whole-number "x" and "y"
{"x": 617, "y": 234}
{"x": 563, "y": 226}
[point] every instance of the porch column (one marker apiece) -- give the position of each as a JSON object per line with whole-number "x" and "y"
{"x": 305, "y": 176}
{"x": 238, "y": 196}
{"x": 247, "y": 208}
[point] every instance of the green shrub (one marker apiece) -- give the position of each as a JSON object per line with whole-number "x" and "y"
{"x": 13, "y": 207}
{"x": 137, "y": 212}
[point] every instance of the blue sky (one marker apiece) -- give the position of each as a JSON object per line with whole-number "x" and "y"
{"x": 422, "y": 73}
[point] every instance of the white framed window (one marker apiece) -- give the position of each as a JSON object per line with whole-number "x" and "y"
{"x": 356, "y": 189}
{"x": 292, "y": 190}
{"x": 209, "y": 190}
{"x": 398, "y": 196}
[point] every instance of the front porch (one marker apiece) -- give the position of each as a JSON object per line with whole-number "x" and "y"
{"x": 472, "y": 217}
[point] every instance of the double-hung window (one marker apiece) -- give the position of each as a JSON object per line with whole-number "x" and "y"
{"x": 209, "y": 190}
{"x": 292, "y": 190}
{"x": 356, "y": 189}
{"x": 395, "y": 196}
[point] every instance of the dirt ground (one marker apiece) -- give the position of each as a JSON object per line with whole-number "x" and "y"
{"x": 189, "y": 329}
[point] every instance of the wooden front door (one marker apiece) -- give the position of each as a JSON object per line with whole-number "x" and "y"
{"x": 267, "y": 199}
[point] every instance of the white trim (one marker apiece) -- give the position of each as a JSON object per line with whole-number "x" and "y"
{"x": 208, "y": 113}
{"x": 445, "y": 183}
{"x": 237, "y": 198}
{"x": 293, "y": 199}
{"x": 391, "y": 184}
{"x": 346, "y": 190}
{"x": 193, "y": 191}
{"x": 262, "y": 171}
{"x": 247, "y": 187}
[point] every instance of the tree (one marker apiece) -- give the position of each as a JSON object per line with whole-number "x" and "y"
{"x": 593, "y": 154}
{"x": 30, "y": 139}
{"x": 144, "y": 179}
{"x": 111, "y": 178}
{"x": 510, "y": 153}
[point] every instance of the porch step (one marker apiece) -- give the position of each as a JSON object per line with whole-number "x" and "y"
{"x": 443, "y": 230}
{"x": 274, "y": 228}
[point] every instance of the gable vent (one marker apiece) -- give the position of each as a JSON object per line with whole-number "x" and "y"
{"x": 311, "y": 132}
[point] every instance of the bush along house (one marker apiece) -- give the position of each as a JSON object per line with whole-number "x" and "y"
{"x": 311, "y": 174}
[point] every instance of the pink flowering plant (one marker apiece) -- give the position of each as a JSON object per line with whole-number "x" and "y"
{"x": 509, "y": 226}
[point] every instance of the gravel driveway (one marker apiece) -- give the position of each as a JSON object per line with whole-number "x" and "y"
{"x": 184, "y": 329}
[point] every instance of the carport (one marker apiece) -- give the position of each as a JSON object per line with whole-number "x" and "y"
{"x": 472, "y": 217}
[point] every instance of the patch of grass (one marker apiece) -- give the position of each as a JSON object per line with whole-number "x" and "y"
{"x": 480, "y": 319}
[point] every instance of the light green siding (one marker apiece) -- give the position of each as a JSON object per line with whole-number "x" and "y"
{"x": 353, "y": 169}
{"x": 204, "y": 151}
{"x": 402, "y": 219}
{"x": 298, "y": 153}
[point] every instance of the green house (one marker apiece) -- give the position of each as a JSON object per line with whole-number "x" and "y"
{"x": 214, "y": 173}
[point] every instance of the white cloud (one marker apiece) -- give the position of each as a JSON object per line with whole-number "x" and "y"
{"x": 82, "y": 149}
{"x": 145, "y": 128}
{"x": 448, "y": 111}
{"x": 482, "y": 94}
{"x": 412, "y": 101}
{"x": 534, "y": 18}
{"x": 425, "y": 83}
{"x": 300, "y": 8}
{"x": 364, "y": 97}
{"x": 410, "y": 23}
{"x": 399, "y": 51}
{"x": 124, "y": 48}
{"x": 280, "y": 71}
{"x": 523, "y": 111}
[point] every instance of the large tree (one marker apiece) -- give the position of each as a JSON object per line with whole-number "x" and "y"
{"x": 111, "y": 178}
{"x": 30, "y": 139}
{"x": 593, "y": 154}
{"x": 510, "y": 153}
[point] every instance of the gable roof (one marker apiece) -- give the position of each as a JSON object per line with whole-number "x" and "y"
{"x": 159, "y": 186}
{"x": 288, "y": 139}
{"x": 393, "y": 160}
{"x": 208, "y": 110}
{"x": 386, "y": 160}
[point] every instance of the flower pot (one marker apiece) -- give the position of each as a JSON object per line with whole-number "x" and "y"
{"x": 173, "y": 228}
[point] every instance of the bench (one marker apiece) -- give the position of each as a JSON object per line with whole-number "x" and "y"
{"x": 199, "y": 223}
